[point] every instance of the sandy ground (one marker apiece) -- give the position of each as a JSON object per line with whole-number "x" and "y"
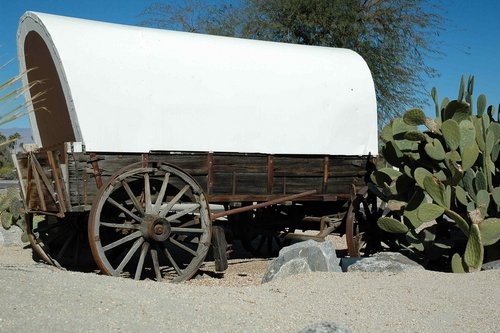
{"x": 37, "y": 297}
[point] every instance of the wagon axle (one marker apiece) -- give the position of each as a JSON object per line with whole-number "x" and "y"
{"x": 155, "y": 227}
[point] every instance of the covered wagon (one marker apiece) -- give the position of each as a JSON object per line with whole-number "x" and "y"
{"x": 152, "y": 140}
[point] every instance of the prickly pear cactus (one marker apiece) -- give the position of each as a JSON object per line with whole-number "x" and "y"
{"x": 443, "y": 186}
{"x": 12, "y": 211}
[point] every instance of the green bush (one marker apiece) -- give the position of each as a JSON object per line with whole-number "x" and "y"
{"x": 11, "y": 207}
{"x": 443, "y": 189}
{"x": 12, "y": 211}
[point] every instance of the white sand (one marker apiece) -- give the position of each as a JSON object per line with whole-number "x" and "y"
{"x": 36, "y": 297}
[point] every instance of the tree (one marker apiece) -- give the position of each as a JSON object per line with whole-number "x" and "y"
{"x": 7, "y": 170}
{"x": 395, "y": 37}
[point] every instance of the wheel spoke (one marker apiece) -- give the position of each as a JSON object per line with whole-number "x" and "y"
{"x": 120, "y": 225}
{"x": 172, "y": 261}
{"x": 129, "y": 255}
{"x": 161, "y": 195}
{"x": 164, "y": 211}
{"x": 132, "y": 197}
{"x": 182, "y": 246}
{"x": 186, "y": 238}
{"x": 183, "y": 212}
{"x": 190, "y": 230}
{"x": 189, "y": 223}
{"x": 122, "y": 240}
{"x": 123, "y": 209}
{"x": 156, "y": 264}
{"x": 140, "y": 264}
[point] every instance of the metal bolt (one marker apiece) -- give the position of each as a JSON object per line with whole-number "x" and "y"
{"x": 158, "y": 229}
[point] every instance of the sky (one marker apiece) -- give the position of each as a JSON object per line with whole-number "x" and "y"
{"x": 470, "y": 43}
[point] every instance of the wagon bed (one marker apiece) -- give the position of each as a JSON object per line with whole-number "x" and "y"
{"x": 72, "y": 179}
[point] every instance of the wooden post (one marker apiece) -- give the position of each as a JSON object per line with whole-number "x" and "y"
{"x": 270, "y": 174}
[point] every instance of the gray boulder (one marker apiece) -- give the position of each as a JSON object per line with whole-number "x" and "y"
{"x": 491, "y": 265}
{"x": 385, "y": 262}
{"x": 325, "y": 327}
{"x": 303, "y": 257}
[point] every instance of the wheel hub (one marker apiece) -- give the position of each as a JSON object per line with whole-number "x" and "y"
{"x": 155, "y": 228}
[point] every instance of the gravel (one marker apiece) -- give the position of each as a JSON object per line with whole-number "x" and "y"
{"x": 37, "y": 297}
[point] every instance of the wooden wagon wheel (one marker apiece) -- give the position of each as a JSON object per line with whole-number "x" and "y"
{"x": 363, "y": 237}
{"x": 150, "y": 222}
{"x": 61, "y": 242}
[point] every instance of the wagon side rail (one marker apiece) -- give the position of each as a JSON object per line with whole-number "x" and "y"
{"x": 42, "y": 183}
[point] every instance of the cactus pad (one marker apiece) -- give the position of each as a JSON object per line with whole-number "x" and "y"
{"x": 490, "y": 231}
{"x": 451, "y": 133}
{"x": 474, "y": 251}
{"x": 414, "y": 117}
{"x": 392, "y": 225}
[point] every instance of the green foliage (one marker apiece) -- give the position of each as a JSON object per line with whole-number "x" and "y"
{"x": 489, "y": 230}
{"x": 393, "y": 36}
{"x": 451, "y": 175}
{"x": 474, "y": 251}
{"x": 11, "y": 108}
{"x": 457, "y": 265}
{"x": 10, "y": 92}
{"x": 392, "y": 225}
{"x": 7, "y": 170}
{"x": 11, "y": 207}
{"x": 8, "y": 112}
{"x": 12, "y": 210}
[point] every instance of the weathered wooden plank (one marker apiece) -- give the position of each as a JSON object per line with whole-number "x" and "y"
{"x": 234, "y": 176}
{"x": 37, "y": 195}
{"x": 109, "y": 164}
{"x": 194, "y": 164}
{"x": 240, "y": 183}
{"x": 349, "y": 160}
{"x": 298, "y": 165}
{"x": 251, "y": 183}
{"x": 240, "y": 163}
{"x": 293, "y": 185}
{"x": 344, "y": 184}
{"x": 79, "y": 179}
{"x": 202, "y": 181}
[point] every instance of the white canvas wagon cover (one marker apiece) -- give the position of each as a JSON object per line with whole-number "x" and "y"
{"x": 120, "y": 88}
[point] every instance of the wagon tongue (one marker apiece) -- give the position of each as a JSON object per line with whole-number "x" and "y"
{"x": 156, "y": 228}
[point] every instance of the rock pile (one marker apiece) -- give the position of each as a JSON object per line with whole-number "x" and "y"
{"x": 311, "y": 256}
